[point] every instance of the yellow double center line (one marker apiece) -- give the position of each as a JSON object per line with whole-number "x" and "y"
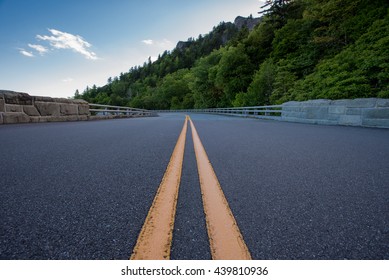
{"x": 155, "y": 239}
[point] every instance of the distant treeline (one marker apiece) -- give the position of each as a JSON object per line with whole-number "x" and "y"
{"x": 302, "y": 49}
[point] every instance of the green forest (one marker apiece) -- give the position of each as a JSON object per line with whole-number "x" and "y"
{"x": 300, "y": 50}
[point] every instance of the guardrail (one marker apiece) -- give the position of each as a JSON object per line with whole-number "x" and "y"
{"x": 262, "y": 112}
{"x": 118, "y": 111}
{"x": 366, "y": 112}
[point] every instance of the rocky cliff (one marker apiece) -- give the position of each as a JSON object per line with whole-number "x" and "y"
{"x": 239, "y": 23}
{"x": 248, "y": 22}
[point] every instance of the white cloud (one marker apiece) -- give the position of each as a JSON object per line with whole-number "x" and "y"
{"x": 39, "y": 48}
{"x": 26, "y": 53}
{"x": 164, "y": 44}
{"x": 148, "y": 42}
{"x": 64, "y": 40}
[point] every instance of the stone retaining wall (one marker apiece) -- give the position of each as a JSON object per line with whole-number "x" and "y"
{"x": 17, "y": 107}
{"x": 369, "y": 112}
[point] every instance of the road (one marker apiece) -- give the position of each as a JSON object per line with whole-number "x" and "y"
{"x": 82, "y": 190}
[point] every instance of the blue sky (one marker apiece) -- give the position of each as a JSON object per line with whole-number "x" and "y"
{"x": 53, "y": 47}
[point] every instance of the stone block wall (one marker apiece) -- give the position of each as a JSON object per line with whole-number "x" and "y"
{"x": 18, "y": 107}
{"x": 368, "y": 112}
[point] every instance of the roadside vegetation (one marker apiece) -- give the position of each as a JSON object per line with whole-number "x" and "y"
{"x": 301, "y": 49}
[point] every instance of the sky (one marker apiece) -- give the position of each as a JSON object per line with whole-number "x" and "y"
{"x": 54, "y": 47}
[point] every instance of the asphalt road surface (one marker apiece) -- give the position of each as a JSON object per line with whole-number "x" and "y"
{"x": 82, "y": 190}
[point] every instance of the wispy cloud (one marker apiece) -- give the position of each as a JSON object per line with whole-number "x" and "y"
{"x": 39, "y": 48}
{"x": 164, "y": 44}
{"x": 64, "y": 40}
{"x": 148, "y": 42}
{"x": 26, "y": 53}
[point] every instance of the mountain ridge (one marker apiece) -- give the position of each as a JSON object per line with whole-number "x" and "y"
{"x": 240, "y": 22}
{"x": 298, "y": 50}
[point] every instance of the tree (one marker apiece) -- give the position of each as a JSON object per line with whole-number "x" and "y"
{"x": 234, "y": 74}
{"x": 258, "y": 44}
{"x": 77, "y": 95}
{"x": 205, "y": 92}
{"x": 173, "y": 89}
{"x": 360, "y": 70}
{"x": 274, "y": 6}
{"x": 262, "y": 85}
{"x": 284, "y": 82}
{"x": 278, "y": 11}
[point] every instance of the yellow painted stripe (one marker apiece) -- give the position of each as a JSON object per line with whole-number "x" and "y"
{"x": 156, "y": 236}
{"x": 225, "y": 238}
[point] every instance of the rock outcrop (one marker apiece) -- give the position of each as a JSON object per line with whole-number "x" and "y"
{"x": 181, "y": 45}
{"x": 248, "y": 22}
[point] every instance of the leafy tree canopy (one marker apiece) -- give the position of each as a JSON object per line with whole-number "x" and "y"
{"x": 301, "y": 49}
